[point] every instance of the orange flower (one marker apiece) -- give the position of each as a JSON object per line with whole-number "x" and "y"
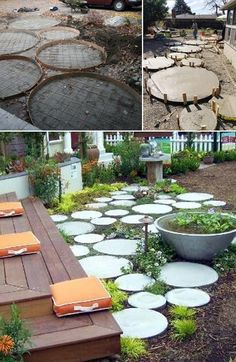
{"x": 6, "y": 344}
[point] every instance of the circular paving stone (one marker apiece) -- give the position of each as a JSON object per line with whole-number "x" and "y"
{"x": 59, "y": 218}
{"x": 12, "y": 41}
{"x": 117, "y": 212}
{"x": 76, "y": 227}
{"x": 140, "y": 323}
{"x": 194, "y": 42}
{"x": 194, "y": 196}
{"x": 197, "y": 117}
{"x": 152, "y": 209}
{"x": 118, "y": 193}
{"x": 146, "y": 300}
{"x": 123, "y": 203}
{"x": 186, "y": 49}
{"x": 86, "y": 215}
{"x": 187, "y": 297}
{"x": 132, "y": 219}
{"x": 103, "y": 221}
{"x": 133, "y": 282}
{"x": 88, "y": 238}
{"x": 165, "y": 202}
{"x": 215, "y": 203}
{"x": 177, "y": 56}
{"x": 196, "y": 62}
{"x": 103, "y": 199}
{"x": 79, "y": 250}
{"x": 164, "y": 197}
{"x": 157, "y": 63}
{"x": 152, "y": 229}
{"x": 104, "y": 266}
{"x": 187, "y": 275}
{"x": 59, "y": 33}
{"x": 117, "y": 246}
{"x": 187, "y": 205}
{"x": 96, "y": 205}
{"x": 33, "y": 23}
{"x": 135, "y": 188}
{"x": 124, "y": 197}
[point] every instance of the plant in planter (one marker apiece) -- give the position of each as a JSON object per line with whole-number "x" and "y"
{"x": 197, "y": 235}
{"x": 92, "y": 152}
{"x": 208, "y": 159}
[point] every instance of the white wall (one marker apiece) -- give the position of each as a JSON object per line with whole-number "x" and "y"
{"x": 71, "y": 175}
{"x": 17, "y": 183}
{"x": 230, "y": 54}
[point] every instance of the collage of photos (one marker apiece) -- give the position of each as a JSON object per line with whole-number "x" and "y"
{"x": 117, "y": 180}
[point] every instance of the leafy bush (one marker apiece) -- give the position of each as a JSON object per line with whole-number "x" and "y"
{"x": 14, "y": 337}
{"x": 68, "y": 239}
{"x": 230, "y": 155}
{"x": 182, "y": 312}
{"x": 158, "y": 288}
{"x": 226, "y": 260}
{"x": 118, "y": 296}
{"x": 168, "y": 187}
{"x": 219, "y": 156}
{"x": 97, "y": 173}
{"x": 121, "y": 230}
{"x": 183, "y": 328}
{"x": 133, "y": 348}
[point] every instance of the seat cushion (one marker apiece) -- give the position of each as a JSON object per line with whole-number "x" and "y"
{"x": 79, "y": 296}
{"x": 11, "y": 209}
{"x": 18, "y": 244}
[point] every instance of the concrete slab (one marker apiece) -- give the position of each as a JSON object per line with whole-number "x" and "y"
{"x": 9, "y": 121}
{"x": 197, "y": 118}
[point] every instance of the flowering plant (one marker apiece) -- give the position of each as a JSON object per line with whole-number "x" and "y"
{"x": 14, "y": 337}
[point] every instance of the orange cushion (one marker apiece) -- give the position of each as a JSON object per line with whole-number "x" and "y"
{"x": 18, "y": 243}
{"x": 11, "y": 209}
{"x": 79, "y": 296}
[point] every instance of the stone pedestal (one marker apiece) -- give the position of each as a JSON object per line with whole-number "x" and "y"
{"x": 154, "y": 168}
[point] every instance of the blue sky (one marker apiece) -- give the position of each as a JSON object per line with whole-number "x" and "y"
{"x": 197, "y": 6}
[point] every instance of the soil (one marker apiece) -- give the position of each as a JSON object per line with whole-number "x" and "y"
{"x": 157, "y": 115}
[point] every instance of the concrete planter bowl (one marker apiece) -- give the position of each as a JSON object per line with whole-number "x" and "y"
{"x": 194, "y": 246}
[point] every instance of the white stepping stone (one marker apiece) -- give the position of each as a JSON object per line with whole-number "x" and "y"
{"x": 86, "y": 215}
{"x": 151, "y": 229}
{"x": 79, "y": 250}
{"x": 117, "y": 246}
{"x": 103, "y": 199}
{"x": 117, "y": 212}
{"x": 118, "y": 193}
{"x": 132, "y": 219}
{"x": 59, "y": 218}
{"x": 195, "y": 196}
{"x": 133, "y": 282}
{"x": 146, "y": 300}
{"x": 234, "y": 241}
{"x": 103, "y": 221}
{"x": 96, "y": 205}
{"x": 187, "y": 275}
{"x": 124, "y": 197}
{"x": 164, "y": 197}
{"x": 215, "y": 203}
{"x": 140, "y": 323}
{"x": 187, "y": 205}
{"x": 152, "y": 209}
{"x": 187, "y": 297}
{"x": 104, "y": 266}
{"x": 165, "y": 202}
{"x": 122, "y": 203}
{"x": 76, "y": 227}
{"x": 134, "y": 188}
{"x": 89, "y": 238}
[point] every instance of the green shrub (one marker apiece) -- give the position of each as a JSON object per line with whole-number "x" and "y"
{"x": 133, "y": 348}
{"x": 226, "y": 260}
{"x": 182, "y": 312}
{"x": 68, "y": 239}
{"x": 98, "y": 173}
{"x": 230, "y": 155}
{"x": 118, "y": 297}
{"x": 158, "y": 288}
{"x": 183, "y": 328}
{"x": 219, "y": 156}
{"x": 184, "y": 161}
{"x": 168, "y": 187}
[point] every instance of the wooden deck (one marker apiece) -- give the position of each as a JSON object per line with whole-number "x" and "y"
{"x": 25, "y": 280}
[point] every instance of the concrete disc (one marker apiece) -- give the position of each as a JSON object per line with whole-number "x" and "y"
{"x": 164, "y": 197}
{"x": 196, "y": 62}
{"x": 133, "y": 282}
{"x": 117, "y": 246}
{"x": 103, "y": 199}
{"x": 33, "y": 23}
{"x": 177, "y": 56}
{"x": 79, "y": 250}
{"x": 103, "y": 221}
{"x": 152, "y": 208}
{"x": 140, "y": 323}
{"x": 197, "y": 118}
{"x": 165, "y": 202}
{"x": 123, "y": 203}
{"x": 187, "y": 297}
{"x": 96, "y": 205}
{"x": 188, "y": 275}
{"x": 227, "y": 106}
{"x": 134, "y": 188}
{"x": 146, "y": 300}
{"x": 59, "y": 33}
{"x": 117, "y": 212}
{"x": 104, "y": 266}
{"x": 158, "y": 63}
{"x": 76, "y": 227}
{"x": 123, "y": 197}
{"x": 194, "y": 42}
{"x": 59, "y": 218}
{"x": 86, "y": 215}
{"x": 88, "y": 238}
{"x": 214, "y": 203}
{"x": 187, "y": 205}
{"x": 132, "y": 219}
{"x": 195, "y": 196}
{"x": 151, "y": 229}
{"x": 118, "y": 193}
{"x": 186, "y": 49}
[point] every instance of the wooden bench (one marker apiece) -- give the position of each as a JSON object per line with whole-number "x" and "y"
{"x": 25, "y": 281}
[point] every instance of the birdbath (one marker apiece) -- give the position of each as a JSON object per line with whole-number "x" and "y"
{"x": 154, "y": 167}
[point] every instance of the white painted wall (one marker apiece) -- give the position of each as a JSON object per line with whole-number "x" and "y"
{"x": 71, "y": 175}
{"x": 230, "y": 54}
{"x": 18, "y": 183}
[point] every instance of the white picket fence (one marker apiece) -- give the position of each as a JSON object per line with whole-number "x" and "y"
{"x": 113, "y": 139}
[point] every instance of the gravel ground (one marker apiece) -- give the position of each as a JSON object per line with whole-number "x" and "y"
{"x": 157, "y": 115}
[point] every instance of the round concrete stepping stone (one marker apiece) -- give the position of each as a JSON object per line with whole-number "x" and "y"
{"x": 118, "y": 193}
{"x": 135, "y": 188}
{"x": 152, "y": 209}
{"x": 123, "y": 203}
{"x": 177, "y": 56}
{"x": 103, "y": 199}
{"x": 76, "y": 227}
{"x": 89, "y": 238}
{"x": 104, "y": 266}
{"x": 117, "y": 212}
{"x": 140, "y": 323}
{"x": 196, "y": 62}
{"x": 157, "y": 63}
{"x": 215, "y": 203}
{"x": 79, "y": 250}
{"x": 59, "y": 33}
{"x": 133, "y": 282}
{"x": 86, "y": 215}
{"x": 187, "y": 205}
{"x": 234, "y": 241}
{"x": 132, "y": 219}
{"x": 33, "y": 23}
{"x": 164, "y": 197}
{"x": 186, "y": 49}
{"x": 146, "y": 300}
{"x": 59, "y": 217}
{"x": 187, "y": 297}
{"x": 187, "y": 275}
{"x": 194, "y": 42}
{"x": 124, "y": 197}
{"x": 96, "y": 205}
{"x": 165, "y": 202}
{"x": 117, "y": 246}
{"x": 197, "y": 118}
{"x": 195, "y": 196}
{"x": 152, "y": 229}
{"x": 103, "y": 221}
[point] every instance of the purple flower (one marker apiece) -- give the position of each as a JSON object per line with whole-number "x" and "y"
{"x": 211, "y": 211}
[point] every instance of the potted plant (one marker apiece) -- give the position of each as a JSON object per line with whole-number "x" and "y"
{"x": 92, "y": 152}
{"x": 208, "y": 159}
{"x": 197, "y": 235}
